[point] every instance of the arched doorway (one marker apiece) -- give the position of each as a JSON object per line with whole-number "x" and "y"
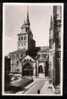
{"x": 27, "y": 70}
{"x": 40, "y": 69}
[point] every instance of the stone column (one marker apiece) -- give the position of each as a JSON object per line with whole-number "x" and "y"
{"x": 11, "y": 66}
{"x": 22, "y": 69}
{"x": 34, "y": 69}
{"x": 37, "y": 67}
{"x": 44, "y": 68}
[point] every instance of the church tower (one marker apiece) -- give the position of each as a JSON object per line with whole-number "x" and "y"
{"x": 25, "y": 37}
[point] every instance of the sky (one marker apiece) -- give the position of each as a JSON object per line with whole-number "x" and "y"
{"x": 14, "y": 16}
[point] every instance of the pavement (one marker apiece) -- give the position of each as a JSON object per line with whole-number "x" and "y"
{"x": 40, "y": 86}
{"x": 37, "y": 85}
{"x": 47, "y": 89}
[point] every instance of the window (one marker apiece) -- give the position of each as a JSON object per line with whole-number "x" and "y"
{"x": 17, "y": 62}
{"x": 17, "y": 70}
{"x": 30, "y": 60}
{"x": 21, "y": 38}
{"x": 24, "y": 37}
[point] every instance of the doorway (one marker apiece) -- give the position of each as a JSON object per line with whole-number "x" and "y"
{"x": 27, "y": 70}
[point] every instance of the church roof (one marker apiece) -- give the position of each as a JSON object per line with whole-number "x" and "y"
{"x": 18, "y": 51}
{"x": 44, "y": 49}
{"x": 28, "y": 58}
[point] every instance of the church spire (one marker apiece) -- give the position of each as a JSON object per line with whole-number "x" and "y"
{"x": 28, "y": 22}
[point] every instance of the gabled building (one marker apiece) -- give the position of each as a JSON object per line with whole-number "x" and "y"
{"x": 27, "y": 58}
{"x": 24, "y": 46}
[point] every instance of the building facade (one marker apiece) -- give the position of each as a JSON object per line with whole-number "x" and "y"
{"x": 7, "y": 71}
{"x": 28, "y": 60}
{"x": 55, "y": 46}
{"x": 42, "y": 61}
{"x": 25, "y": 37}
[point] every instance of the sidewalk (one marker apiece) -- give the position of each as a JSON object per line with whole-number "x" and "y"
{"x": 27, "y": 87}
{"x": 32, "y": 88}
{"x": 46, "y": 90}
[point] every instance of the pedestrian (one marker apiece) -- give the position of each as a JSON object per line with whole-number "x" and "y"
{"x": 38, "y": 91}
{"x": 51, "y": 86}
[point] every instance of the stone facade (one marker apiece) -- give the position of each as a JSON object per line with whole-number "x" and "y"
{"x": 25, "y": 37}
{"x": 42, "y": 59}
{"x": 55, "y": 46}
{"x": 28, "y": 60}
